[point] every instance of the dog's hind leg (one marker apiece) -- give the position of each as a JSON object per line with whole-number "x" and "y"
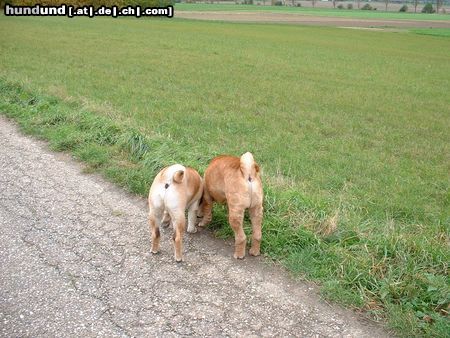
{"x": 179, "y": 223}
{"x": 165, "y": 222}
{"x": 192, "y": 218}
{"x": 256, "y": 215}
{"x": 155, "y": 220}
{"x": 206, "y": 209}
{"x": 236, "y": 218}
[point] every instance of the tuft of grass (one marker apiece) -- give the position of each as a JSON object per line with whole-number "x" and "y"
{"x": 353, "y": 147}
{"x": 95, "y": 155}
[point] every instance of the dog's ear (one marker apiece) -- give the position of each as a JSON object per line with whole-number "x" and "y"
{"x": 256, "y": 168}
{"x": 178, "y": 176}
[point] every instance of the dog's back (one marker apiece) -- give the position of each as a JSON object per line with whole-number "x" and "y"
{"x": 231, "y": 175}
{"x": 165, "y": 184}
{"x": 175, "y": 186}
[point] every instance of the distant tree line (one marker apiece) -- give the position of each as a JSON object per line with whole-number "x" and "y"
{"x": 431, "y": 6}
{"x": 95, "y": 3}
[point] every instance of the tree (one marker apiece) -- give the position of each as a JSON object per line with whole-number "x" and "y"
{"x": 428, "y": 8}
{"x": 386, "y": 3}
{"x": 416, "y": 2}
{"x": 334, "y": 3}
{"x": 359, "y": 2}
{"x": 439, "y": 4}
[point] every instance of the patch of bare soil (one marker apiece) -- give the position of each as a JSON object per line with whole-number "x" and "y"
{"x": 308, "y": 19}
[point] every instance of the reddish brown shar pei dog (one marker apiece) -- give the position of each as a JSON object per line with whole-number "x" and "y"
{"x": 236, "y": 182}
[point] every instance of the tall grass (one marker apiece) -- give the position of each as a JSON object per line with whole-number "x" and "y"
{"x": 350, "y": 128}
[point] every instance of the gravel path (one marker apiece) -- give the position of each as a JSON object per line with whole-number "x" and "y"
{"x": 75, "y": 262}
{"x": 309, "y": 19}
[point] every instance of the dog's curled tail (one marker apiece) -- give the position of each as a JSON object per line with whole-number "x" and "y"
{"x": 175, "y": 173}
{"x": 248, "y": 166}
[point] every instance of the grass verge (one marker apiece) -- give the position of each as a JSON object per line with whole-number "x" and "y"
{"x": 391, "y": 276}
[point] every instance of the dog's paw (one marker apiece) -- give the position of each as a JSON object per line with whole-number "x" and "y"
{"x": 192, "y": 230}
{"x": 165, "y": 224}
{"x": 254, "y": 252}
{"x": 239, "y": 256}
{"x": 154, "y": 252}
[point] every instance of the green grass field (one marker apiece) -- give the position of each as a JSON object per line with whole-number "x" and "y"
{"x": 349, "y": 126}
{"x": 442, "y": 32}
{"x": 355, "y": 13}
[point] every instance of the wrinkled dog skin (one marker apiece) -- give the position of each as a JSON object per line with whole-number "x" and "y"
{"x": 236, "y": 182}
{"x": 174, "y": 189}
